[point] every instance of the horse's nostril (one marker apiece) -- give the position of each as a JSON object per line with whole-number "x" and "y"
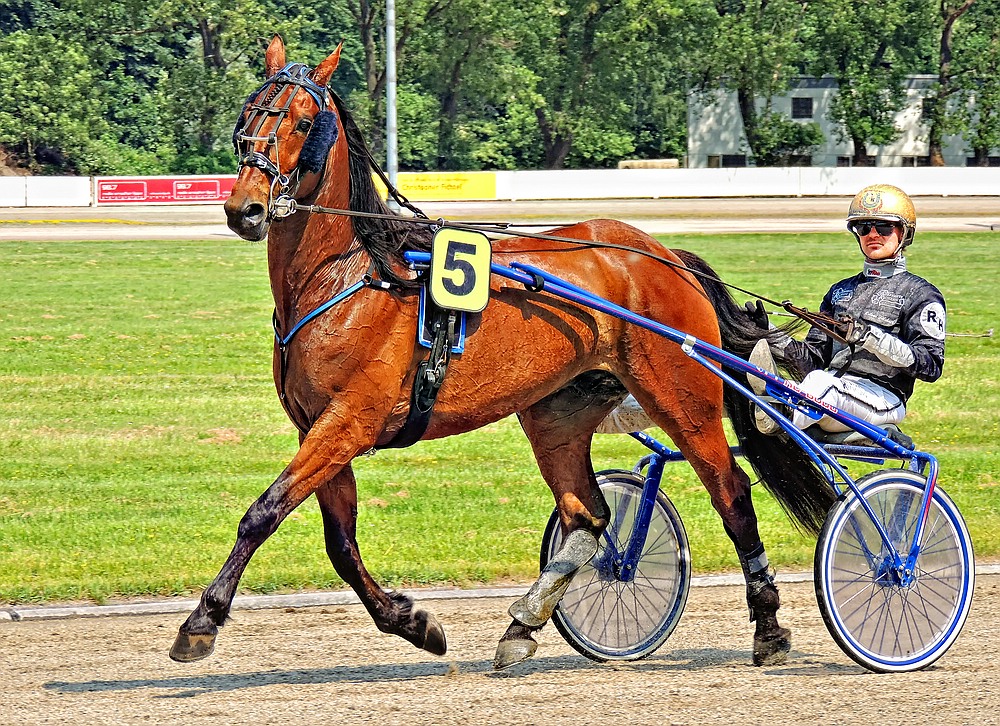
{"x": 255, "y": 213}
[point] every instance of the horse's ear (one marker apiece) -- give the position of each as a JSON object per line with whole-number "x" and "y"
{"x": 325, "y": 69}
{"x": 274, "y": 58}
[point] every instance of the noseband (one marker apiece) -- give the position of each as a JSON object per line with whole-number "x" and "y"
{"x": 259, "y": 109}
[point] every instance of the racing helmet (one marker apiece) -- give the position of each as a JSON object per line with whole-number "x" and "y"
{"x": 884, "y": 202}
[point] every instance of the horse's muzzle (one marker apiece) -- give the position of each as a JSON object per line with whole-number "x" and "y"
{"x": 247, "y": 218}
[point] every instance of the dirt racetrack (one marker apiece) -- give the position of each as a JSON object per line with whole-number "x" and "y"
{"x": 329, "y": 665}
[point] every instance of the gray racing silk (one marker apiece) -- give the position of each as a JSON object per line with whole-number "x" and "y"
{"x": 887, "y": 297}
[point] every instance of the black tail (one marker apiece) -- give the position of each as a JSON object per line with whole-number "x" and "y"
{"x": 785, "y": 470}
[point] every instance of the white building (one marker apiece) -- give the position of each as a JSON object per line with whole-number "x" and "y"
{"x": 716, "y": 138}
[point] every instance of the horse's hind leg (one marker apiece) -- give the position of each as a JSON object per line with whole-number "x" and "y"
{"x": 392, "y": 612}
{"x": 729, "y": 488}
{"x": 560, "y": 429}
{"x": 694, "y": 423}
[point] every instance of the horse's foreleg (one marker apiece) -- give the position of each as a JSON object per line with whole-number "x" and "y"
{"x": 315, "y": 463}
{"x": 559, "y": 429}
{"x": 392, "y": 612}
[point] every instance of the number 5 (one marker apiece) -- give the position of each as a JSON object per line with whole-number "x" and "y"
{"x": 460, "y": 270}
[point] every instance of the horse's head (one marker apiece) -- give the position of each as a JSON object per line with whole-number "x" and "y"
{"x": 283, "y": 137}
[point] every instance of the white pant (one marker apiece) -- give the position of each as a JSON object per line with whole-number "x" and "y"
{"x": 625, "y": 419}
{"x": 856, "y": 396}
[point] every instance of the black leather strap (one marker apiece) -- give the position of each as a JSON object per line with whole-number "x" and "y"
{"x": 428, "y": 381}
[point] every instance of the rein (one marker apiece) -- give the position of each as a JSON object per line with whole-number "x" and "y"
{"x": 284, "y": 204}
{"x": 825, "y": 323}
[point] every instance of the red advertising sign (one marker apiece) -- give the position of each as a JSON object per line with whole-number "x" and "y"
{"x": 163, "y": 189}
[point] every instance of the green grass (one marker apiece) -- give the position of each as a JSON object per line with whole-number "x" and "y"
{"x": 139, "y": 421}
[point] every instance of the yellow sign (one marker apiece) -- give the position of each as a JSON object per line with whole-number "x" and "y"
{"x": 460, "y": 270}
{"x": 444, "y": 185}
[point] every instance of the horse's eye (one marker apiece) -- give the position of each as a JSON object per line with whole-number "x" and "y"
{"x": 304, "y": 125}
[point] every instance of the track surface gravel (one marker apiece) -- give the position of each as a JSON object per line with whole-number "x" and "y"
{"x": 326, "y": 665}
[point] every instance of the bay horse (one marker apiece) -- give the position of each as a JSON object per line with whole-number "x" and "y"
{"x": 344, "y": 371}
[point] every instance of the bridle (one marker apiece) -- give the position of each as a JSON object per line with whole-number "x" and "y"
{"x": 258, "y": 110}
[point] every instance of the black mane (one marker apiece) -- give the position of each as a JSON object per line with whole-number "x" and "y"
{"x": 385, "y": 239}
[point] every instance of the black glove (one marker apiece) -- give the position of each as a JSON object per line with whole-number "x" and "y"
{"x": 855, "y": 331}
{"x": 758, "y": 314}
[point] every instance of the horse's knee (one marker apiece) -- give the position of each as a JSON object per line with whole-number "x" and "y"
{"x": 259, "y": 521}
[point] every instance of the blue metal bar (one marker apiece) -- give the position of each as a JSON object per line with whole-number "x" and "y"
{"x": 703, "y": 352}
{"x": 572, "y": 292}
{"x": 918, "y": 532}
{"x": 640, "y": 528}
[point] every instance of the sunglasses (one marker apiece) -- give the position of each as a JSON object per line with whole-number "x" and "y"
{"x": 883, "y": 228}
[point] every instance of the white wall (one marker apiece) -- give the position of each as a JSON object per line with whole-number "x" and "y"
{"x": 58, "y": 191}
{"x": 623, "y": 184}
{"x": 747, "y": 182}
{"x": 13, "y": 191}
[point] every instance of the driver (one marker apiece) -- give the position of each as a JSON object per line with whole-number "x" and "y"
{"x": 898, "y": 329}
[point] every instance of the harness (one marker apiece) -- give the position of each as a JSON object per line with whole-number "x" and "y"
{"x": 437, "y": 330}
{"x": 438, "y": 325}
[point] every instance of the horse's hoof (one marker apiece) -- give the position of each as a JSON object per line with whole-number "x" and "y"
{"x": 434, "y": 639}
{"x": 512, "y": 652}
{"x": 773, "y": 649}
{"x": 188, "y": 648}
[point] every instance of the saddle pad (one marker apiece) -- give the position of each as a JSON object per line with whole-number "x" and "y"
{"x": 424, "y": 333}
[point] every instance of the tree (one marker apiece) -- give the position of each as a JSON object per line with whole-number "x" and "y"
{"x": 868, "y": 49}
{"x": 595, "y": 69}
{"x": 54, "y": 112}
{"x": 94, "y": 67}
{"x": 976, "y": 70}
{"x": 755, "y": 50}
{"x": 218, "y": 62}
{"x": 936, "y": 110}
{"x": 369, "y": 18}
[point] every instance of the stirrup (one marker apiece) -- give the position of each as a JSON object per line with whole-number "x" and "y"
{"x": 856, "y": 438}
{"x": 764, "y": 423}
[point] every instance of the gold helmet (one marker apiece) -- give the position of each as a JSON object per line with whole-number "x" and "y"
{"x": 886, "y": 202}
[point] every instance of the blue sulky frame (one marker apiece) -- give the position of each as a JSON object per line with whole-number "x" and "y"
{"x": 778, "y": 389}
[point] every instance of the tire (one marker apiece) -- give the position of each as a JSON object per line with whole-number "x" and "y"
{"x": 605, "y": 618}
{"x": 881, "y": 624}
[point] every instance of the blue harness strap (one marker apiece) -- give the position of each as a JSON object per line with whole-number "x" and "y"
{"x": 443, "y": 331}
{"x": 283, "y": 341}
{"x": 339, "y": 297}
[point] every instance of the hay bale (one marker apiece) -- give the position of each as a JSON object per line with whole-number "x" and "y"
{"x": 649, "y": 164}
